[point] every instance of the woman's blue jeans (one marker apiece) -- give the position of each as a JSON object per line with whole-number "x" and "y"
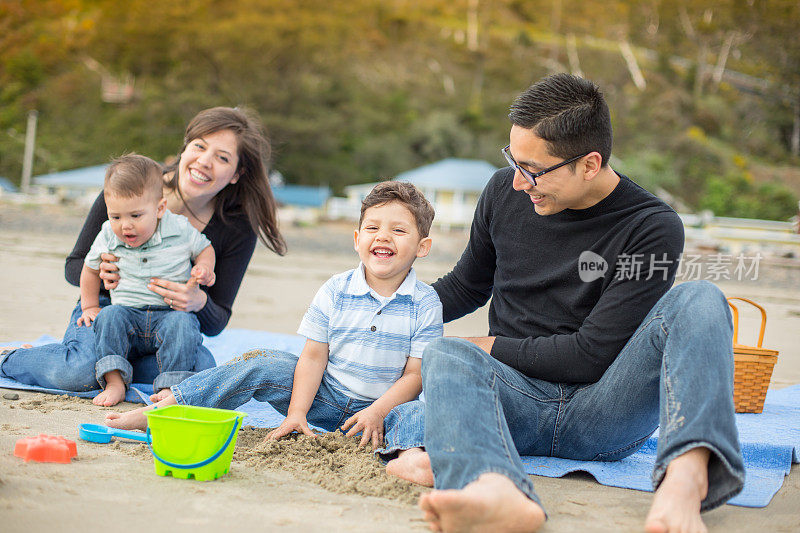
{"x": 676, "y": 371}
{"x": 267, "y": 376}
{"x": 70, "y": 364}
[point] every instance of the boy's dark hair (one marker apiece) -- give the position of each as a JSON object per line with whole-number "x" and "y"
{"x": 569, "y": 113}
{"x": 133, "y": 175}
{"x": 408, "y": 195}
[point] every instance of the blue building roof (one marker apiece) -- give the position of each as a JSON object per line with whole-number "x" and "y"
{"x": 451, "y": 173}
{"x": 301, "y": 195}
{"x": 7, "y": 185}
{"x": 79, "y": 178}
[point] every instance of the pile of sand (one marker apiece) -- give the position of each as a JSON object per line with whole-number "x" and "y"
{"x": 330, "y": 460}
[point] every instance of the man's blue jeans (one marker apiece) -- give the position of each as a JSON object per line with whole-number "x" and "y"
{"x": 676, "y": 370}
{"x": 70, "y": 364}
{"x": 125, "y": 332}
{"x": 267, "y": 376}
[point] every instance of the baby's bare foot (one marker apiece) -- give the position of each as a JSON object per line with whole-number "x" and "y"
{"x": 129, "y": 420}
{"x": 111, "y": 395}
{"x": 413, "y": 465}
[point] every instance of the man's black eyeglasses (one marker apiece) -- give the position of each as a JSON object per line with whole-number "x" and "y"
{"x": 530, "y": 176}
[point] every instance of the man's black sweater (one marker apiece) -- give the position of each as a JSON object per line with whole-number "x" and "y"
{"x": 548, "y": 323}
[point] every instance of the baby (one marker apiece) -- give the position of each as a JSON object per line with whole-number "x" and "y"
{"x": 149, "y": 241}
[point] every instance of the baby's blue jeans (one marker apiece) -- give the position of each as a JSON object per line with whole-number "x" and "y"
{"x": 676, "y": 371}
{"x": 267, "y": 376}
{"x": 70, "y": 364}
{"x": 122, "y": 333}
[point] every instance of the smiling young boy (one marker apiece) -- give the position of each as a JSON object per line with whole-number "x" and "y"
{"x": 366, "y": 329}
{"x": 149, "y": 241}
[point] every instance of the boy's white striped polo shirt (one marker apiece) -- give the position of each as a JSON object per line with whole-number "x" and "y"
{"x": 370, "y": 336}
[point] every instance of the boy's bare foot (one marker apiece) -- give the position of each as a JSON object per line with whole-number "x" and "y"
{"x": 160, "y": 395}
{"x": 129, "y": 420}
{"x": 676, "y": 504}
{"x": 490, "y": 503}
{"x": 111, "y": 395}
{"x": 136, "y": 419}
{"x": 413, "y": 465}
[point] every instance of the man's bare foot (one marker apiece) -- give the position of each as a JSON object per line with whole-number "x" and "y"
{"x": 136, "y": 419}
{"x": 676, "y": 504}
{"x": 413, "y": 465}
{"x": 160, "y": 395}
{"x": 111, "y": 395}
{"x": 490, "y": 503}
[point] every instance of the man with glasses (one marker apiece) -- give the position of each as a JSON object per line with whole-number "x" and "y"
{"x": 589, "y": 348}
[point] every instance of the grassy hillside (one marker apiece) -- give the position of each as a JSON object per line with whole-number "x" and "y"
{"x": 350, "y": 91}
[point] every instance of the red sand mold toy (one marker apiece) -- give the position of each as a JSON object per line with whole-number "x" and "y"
{"x": 46, "y": 449}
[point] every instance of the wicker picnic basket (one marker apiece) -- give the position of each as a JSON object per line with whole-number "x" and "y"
{"x": 752, "y": 366}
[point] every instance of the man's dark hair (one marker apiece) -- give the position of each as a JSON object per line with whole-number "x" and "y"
{"x": 408, "y": 195}
{"x": 569, "y": 113}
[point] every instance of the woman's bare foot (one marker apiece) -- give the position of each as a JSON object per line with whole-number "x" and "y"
{"x": 490, "y": 503}
{"x": 160, "y": 395}
{"x": 6, "y": 349}
{"x": 136, "y": 419}
{"x": 111, "y": 395}
{"x": 676, "y": 504}
{"x": 413, "y": 465}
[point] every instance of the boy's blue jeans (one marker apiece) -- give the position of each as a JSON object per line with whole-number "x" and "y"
{"x": 122, "y": 332}
{"x": 676, "y": 371}
{"x": 70, "y": 364}
{"x": 267, "y": 376}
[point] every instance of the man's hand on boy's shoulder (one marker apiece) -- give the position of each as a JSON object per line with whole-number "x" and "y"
{"x": 370, "y": 422}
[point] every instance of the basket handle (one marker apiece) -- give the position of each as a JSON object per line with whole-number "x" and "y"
{"x": 201, "y": 463}
{"x": 736, "y": 318}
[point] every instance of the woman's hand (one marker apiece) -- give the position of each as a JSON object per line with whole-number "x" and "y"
{"x": 180, "y": 296}
{"x": 109, "y": 272}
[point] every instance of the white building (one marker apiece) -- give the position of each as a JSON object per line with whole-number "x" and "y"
{"x": 451, "y": 185}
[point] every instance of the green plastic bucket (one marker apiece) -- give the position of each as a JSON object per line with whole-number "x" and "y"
{"x": 192, "y": 442}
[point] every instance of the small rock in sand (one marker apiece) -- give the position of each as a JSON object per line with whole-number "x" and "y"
{"x": 11, "y": 396}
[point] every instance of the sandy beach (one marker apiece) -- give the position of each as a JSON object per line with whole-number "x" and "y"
{"x": 293, "y": 485}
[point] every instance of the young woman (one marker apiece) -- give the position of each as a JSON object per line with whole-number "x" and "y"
{"x": 220, "y": 184}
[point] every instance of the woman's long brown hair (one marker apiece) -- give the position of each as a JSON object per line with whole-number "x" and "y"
{"x": 251, "y": 193}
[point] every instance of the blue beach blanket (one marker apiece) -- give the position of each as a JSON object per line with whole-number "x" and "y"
{"x": 770, "y": 440}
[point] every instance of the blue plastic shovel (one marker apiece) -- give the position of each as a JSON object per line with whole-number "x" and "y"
{"x": 103, "y": 434}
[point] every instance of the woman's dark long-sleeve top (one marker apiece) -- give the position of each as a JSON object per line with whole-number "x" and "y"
{"x": 233, "y": 240}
